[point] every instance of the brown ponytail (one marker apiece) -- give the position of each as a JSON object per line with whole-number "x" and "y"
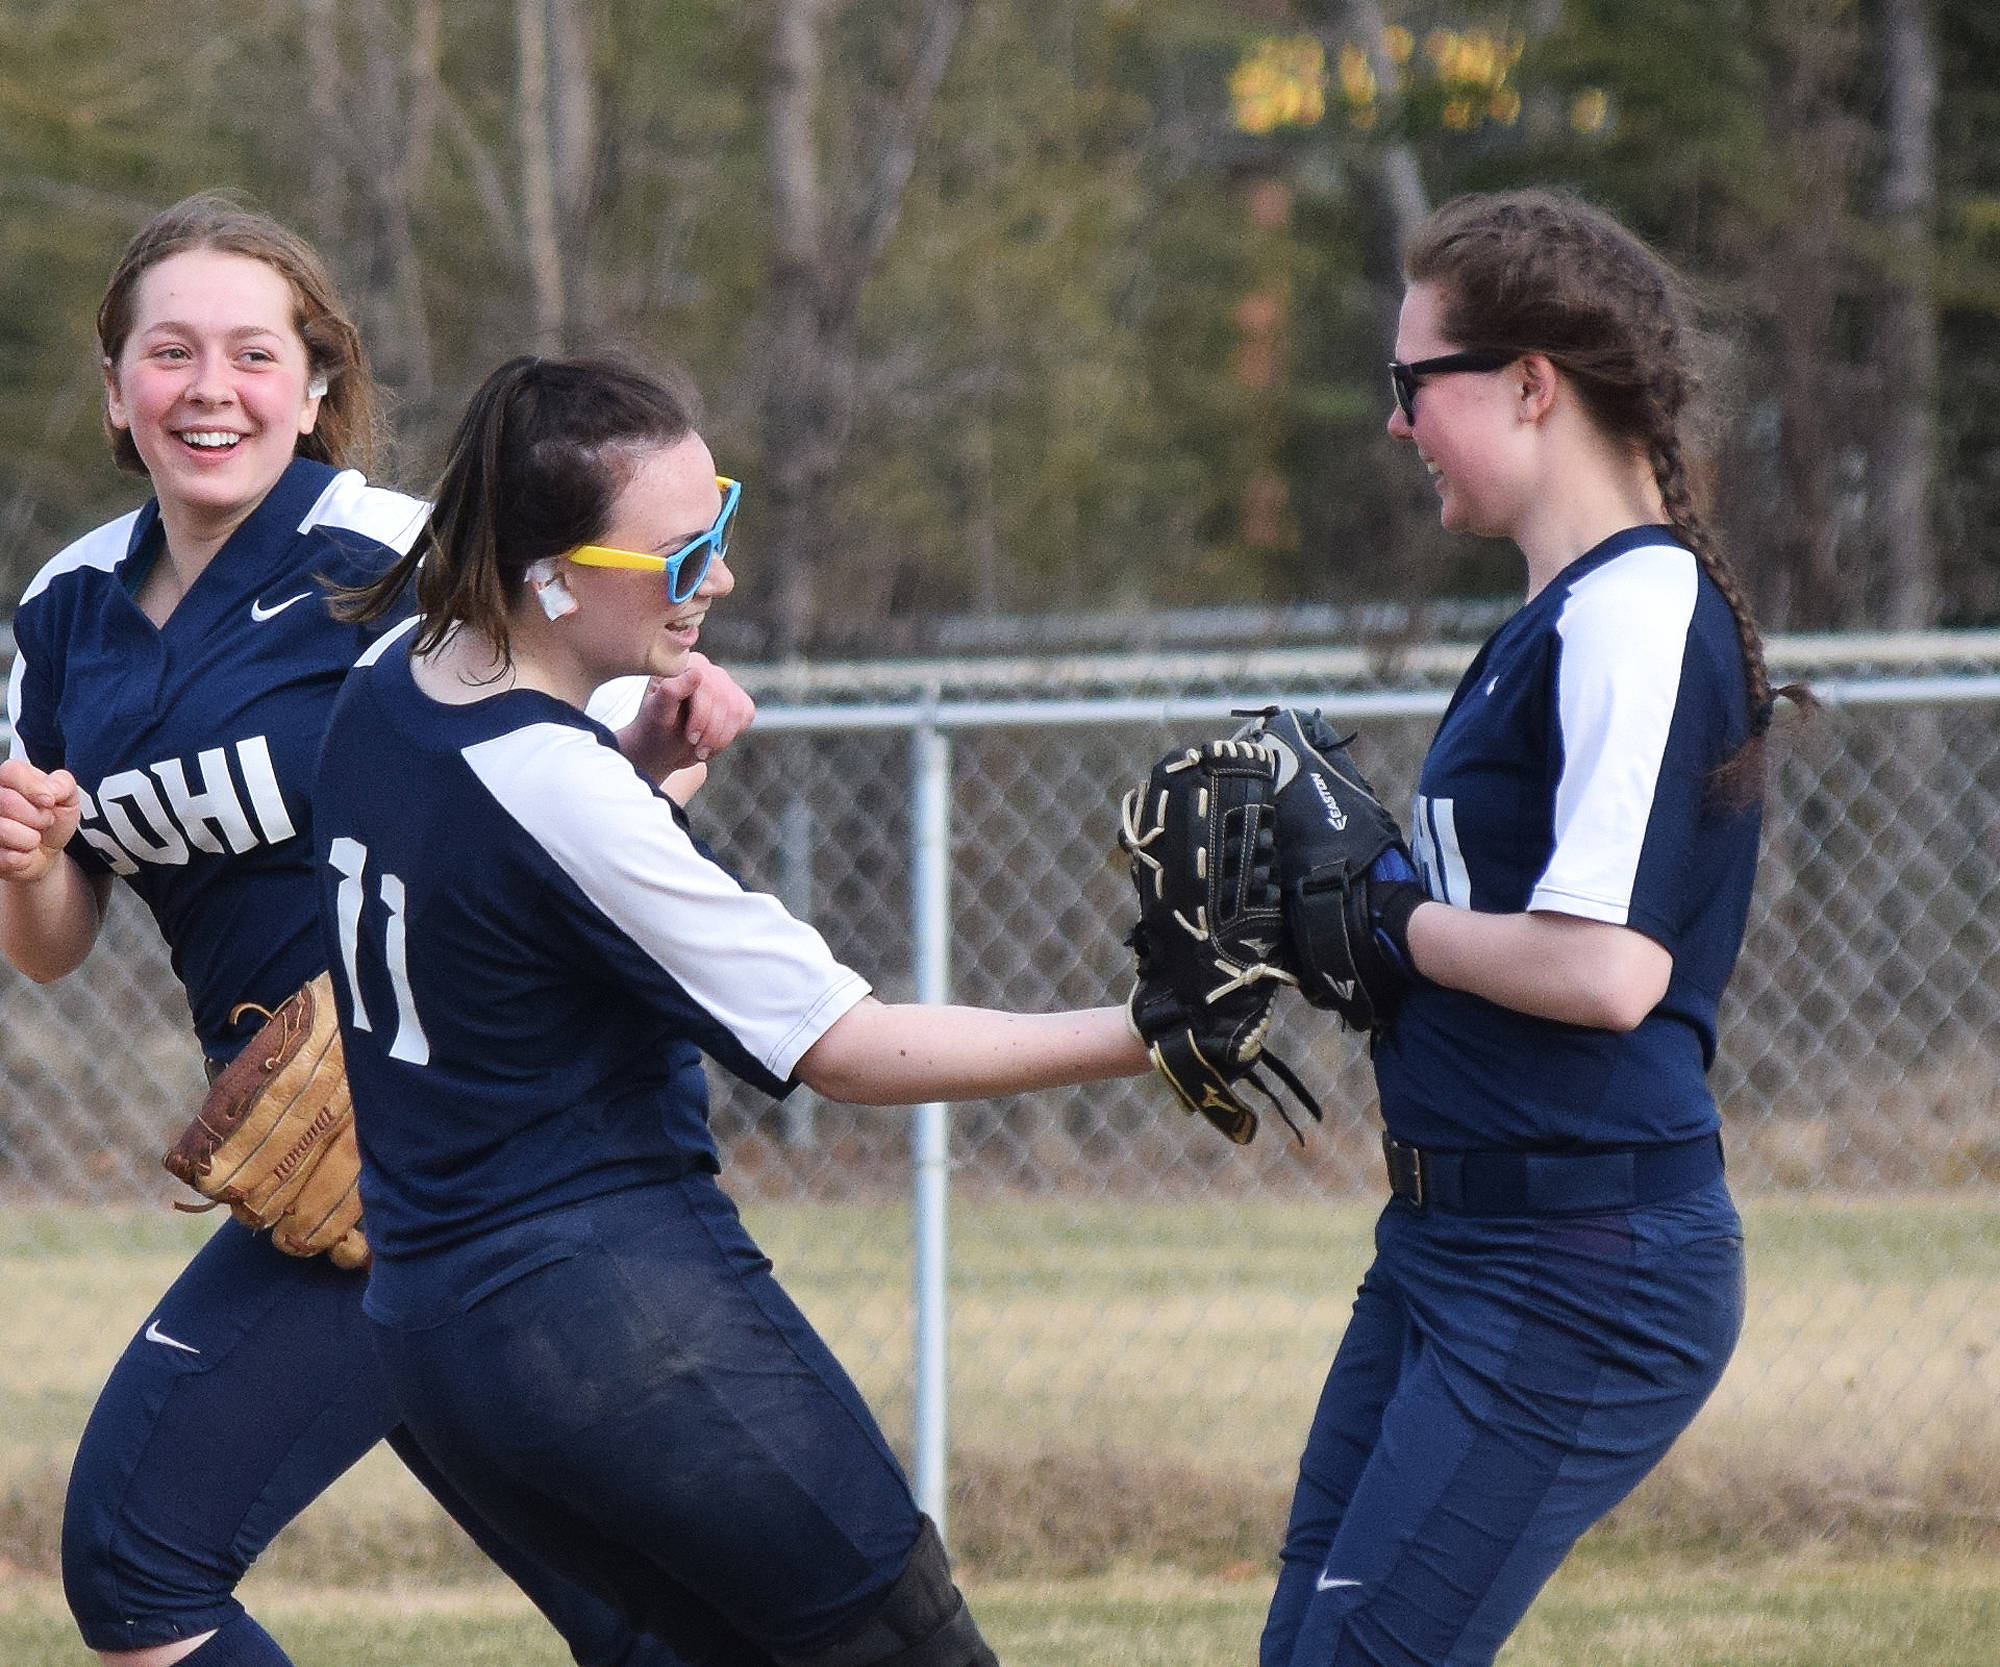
{"x": 537, "y": 462}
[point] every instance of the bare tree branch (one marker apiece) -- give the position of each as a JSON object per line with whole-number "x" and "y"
{"x": 426, "y": 55}
{"x": 1906, "y": 454}
{"x": 485, "y": 172}
{"x": 325, "y": 99}
{"x": 532, "y": 122}
{"x": 882, "y": 203}
{"x": 818, "y": 268}
{"x": 1402, "y": 178}
{"x": 792, "y": 94}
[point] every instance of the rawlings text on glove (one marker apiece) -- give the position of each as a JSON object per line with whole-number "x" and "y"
{"x": 274, "y": 1139}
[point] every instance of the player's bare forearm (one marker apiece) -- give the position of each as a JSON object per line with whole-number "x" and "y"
{"x": 876, "y": 1054}
{"x": 48, "y": 924}
{"x": 1585, "y": 972}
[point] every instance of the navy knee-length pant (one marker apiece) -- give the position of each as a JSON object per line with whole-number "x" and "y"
{"x": 1502, "y": 1384}
{"x": 623, "y": 1387}
{"x": 250, "y": 1387}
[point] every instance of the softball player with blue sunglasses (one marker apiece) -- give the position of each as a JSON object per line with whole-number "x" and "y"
{"x": 532, "y": 954}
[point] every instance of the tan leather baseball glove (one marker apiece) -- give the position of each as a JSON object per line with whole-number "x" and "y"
{"x": 274, "y": 1139}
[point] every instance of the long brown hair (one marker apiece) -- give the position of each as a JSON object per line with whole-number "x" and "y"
{"x": 348, "y": 432}
{"x": 535, "y": 467}
{"x": 1539, "y": 271}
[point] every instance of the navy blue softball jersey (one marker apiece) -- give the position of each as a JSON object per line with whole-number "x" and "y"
{"x": 195, "y": 742}
{"x": 532, "y": 952}
{"x": 195, "y": 745}
{"x": 1511, "y": 1372}
{"x": 1575, "y": 771}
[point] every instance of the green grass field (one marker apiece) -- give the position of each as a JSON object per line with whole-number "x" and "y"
{"x": 1131, "y": 1381}
{"x": 1794, "y": 1612}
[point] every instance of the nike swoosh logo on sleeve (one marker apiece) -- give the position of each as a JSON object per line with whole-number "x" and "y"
{"x": 155, "y": 1335}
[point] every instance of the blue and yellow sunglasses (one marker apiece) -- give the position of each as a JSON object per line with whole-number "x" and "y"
{"x": 686, "y": 567}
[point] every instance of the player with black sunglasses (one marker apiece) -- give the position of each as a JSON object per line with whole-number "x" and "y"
{"x": 1405, "y": 380}
{"x": 1558, "y": 1277}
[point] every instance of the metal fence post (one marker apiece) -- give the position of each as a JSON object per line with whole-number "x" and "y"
{"x": 795, "y": 891}
{"x": 930, "y": 902}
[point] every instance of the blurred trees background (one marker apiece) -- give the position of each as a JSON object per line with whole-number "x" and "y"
{"x": 1006, "y": 308}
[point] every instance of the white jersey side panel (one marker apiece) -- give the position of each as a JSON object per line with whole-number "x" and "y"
{"x": 104, "y": 547}
{"x": 380, "y": 646}
{"x": 1624, "y": 635}
{"x": 768, "y": 978}
{"x": 616, "y": 704}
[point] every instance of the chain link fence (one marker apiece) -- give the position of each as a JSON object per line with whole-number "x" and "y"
{"x": 1140, "y": 1314}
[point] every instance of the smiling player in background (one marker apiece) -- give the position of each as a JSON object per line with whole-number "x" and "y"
{"x": 173, "y": 676}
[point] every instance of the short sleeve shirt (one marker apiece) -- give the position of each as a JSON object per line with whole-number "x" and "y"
{"x": 532, "y": 952}
{"x": 195, "y": 742}
{"x": 1575, "y": 772}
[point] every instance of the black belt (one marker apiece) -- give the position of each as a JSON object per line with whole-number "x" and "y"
{"x": 1549, "y": 1183}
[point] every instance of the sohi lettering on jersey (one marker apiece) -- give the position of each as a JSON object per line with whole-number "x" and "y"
{"x": 164, "y": 813}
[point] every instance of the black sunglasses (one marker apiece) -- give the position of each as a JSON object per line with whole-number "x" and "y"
{"x": 1404, "y": 380}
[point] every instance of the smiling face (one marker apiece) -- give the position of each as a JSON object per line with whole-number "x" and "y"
{"x": 1469, "y": 430}
{"x": 212, "y": 384}
{"x": 624, "y": 621}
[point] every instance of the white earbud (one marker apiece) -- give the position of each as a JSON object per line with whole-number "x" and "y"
{"x": 316, "y": 388}
{"x": 545, "y": 581}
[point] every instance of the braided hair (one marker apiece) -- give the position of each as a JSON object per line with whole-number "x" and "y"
{"x": 1545, "y": 272}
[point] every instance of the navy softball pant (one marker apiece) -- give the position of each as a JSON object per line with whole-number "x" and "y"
{"x": 250, "y": 1387}
{"x": 624, "y": 1388}
{"x": 1502, "y": 1384}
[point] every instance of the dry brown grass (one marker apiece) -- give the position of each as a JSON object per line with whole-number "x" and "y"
{"x": 1063, "y": 1515}
{"x": 1131, "y": 1383}
{"x": 1933, "y": 1126}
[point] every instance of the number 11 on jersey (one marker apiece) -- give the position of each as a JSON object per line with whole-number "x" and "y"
{"x": 349, "y": 858}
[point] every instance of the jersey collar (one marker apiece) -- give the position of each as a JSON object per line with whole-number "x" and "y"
{"x": 1618, "y": 544}
{"x": 282, "y": 510}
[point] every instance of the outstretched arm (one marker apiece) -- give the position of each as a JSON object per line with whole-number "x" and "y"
{"x": 50, "y": 909}
{"x": 882, "y": 1055}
